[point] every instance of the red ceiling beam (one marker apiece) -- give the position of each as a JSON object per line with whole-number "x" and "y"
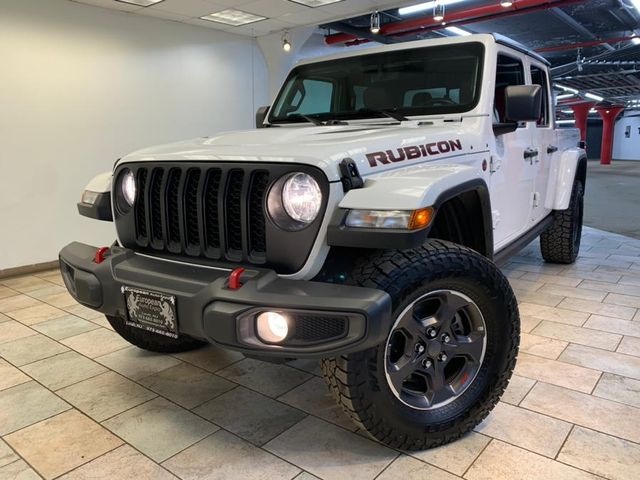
{"x": 459, "y": 17}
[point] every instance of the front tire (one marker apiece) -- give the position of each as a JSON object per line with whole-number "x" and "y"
{"x": 153, "y": 341}
{"x": 456, "y": 334}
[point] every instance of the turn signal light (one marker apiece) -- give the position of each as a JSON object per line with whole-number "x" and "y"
{"x": 421, "y": 218}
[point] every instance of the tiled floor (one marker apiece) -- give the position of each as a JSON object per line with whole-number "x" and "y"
{"x": 76, "y": 401}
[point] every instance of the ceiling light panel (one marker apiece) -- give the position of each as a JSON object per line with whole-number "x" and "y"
{"x": 315, "y": 3}
{"x": 233, "y": 17}
{"x": 142, "y": 3}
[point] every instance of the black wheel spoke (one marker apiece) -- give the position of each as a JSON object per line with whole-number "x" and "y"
{"x": 470, "y": 346}
{"x": 412, "y": 325}
{"x": 451, "y": 304}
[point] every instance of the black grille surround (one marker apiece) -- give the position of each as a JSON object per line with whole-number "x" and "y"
{"x": 214, "y": 213}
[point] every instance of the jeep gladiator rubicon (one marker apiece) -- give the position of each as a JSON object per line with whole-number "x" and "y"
{"x": 358, "y": 224}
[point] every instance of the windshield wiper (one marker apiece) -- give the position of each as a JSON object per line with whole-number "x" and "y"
{"x": 387, "y": 113}
{"x": 316, "y": 121}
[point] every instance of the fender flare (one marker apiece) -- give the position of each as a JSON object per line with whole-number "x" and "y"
{"x": 571, "y": 165}
{"x": 436, "y": 186}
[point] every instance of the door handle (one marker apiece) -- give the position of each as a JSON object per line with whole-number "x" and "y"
{"x": 552, "y": 149}
{"x": 530, "y": 153}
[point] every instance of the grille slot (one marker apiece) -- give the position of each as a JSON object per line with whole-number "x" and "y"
{"x": 233, "y": 210}
{"x": 172, "y": 209}
{"x": 202, "y": 211}
{"x": 155, "y": 208}
{"x": 257, "y": 225}
{"x": 212, "y": 213}
{"x": 141, "y": 208}
{"x": 192, "y": 225}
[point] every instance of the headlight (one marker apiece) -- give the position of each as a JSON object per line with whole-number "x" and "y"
{"x": 301, "y": 197}
{"x": 125, "y": 191}
{"x": 129, "y": 187}
{"x": 294, "y": 201}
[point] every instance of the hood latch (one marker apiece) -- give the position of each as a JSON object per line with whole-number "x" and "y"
{"x": 350, "y": 176}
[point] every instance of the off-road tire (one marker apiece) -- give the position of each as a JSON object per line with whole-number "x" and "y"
{"x": 153, "y": 341}
{"x": 358, "y": 380}
{"x": 560, "y": 243}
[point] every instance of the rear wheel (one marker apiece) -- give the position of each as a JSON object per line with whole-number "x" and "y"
{"x": 560, "y": 243}
{"x": 449, "y": 354}
{"x": 153, "y": 341}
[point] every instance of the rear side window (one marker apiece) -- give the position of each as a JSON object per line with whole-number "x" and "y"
{"x": 539, "y": 77}
{"x": 510, "y": 71}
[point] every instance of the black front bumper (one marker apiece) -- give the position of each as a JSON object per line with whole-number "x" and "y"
{"x": 208, "y": 309}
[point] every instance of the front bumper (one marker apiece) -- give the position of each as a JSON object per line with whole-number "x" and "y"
{"x": 208, "y": 309}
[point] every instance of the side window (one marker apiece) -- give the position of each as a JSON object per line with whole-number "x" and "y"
{"x": 510, "y": 71}
{"x": 315, "y": 97}
{"x": 539, "y": 77}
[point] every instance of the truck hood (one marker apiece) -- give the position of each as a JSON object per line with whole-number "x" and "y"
{"x": 374, "y": 147}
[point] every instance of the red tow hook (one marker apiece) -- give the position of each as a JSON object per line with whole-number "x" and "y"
{"x": 100, "y": 255}
{"x": 234, "y": 279}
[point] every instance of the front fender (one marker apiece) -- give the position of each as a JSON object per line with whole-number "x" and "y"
{"x": 562, "y": 175}
{"x": 100, "y": 183}
{"x": 99, "y": 205}
{"x": 411, "y": 188}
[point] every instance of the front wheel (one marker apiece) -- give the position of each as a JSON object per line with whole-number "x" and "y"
{"x": 449, "y": 354}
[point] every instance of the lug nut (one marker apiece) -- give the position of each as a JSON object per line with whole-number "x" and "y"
{"x": 426, "y": 363}
{"x": 446, "y": 338}
{"x": 419, "y": 348}
{"x": 442, "y": 357}
{"x": 431, "y": 332}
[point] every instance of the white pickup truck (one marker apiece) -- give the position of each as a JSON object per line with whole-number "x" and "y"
{"x": 358, "y": 224}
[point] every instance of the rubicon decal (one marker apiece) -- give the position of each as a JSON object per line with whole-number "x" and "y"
{"x": 413, "y": 152}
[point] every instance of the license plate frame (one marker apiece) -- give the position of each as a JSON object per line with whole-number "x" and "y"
{"x": 151, "y": 311}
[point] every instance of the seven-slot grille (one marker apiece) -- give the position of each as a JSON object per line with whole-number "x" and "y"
{"x": 202, "y": 211}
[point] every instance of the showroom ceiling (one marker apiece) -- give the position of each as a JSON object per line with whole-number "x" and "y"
{"x": 267, "y": 15}
{"x": 590, "y": 44}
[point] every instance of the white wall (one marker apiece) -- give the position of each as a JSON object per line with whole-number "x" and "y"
{"x": 627, "y": 148}
{"x": 81, "y": 86}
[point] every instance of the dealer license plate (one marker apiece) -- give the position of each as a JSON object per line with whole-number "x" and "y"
{"x": 151, "y": 311}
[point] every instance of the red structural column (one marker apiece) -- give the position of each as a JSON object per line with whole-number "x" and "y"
{"x": 608, "y": 115}
{"x": 580, "y": 113}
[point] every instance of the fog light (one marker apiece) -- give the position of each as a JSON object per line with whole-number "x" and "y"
{"x": 272, "y": 327}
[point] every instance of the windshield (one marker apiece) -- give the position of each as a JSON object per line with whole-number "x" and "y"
{"x": 417, "y": 81}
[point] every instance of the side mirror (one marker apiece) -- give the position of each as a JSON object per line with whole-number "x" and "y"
{"x": 523, "y": 103}
{"x": 261, "y": 115}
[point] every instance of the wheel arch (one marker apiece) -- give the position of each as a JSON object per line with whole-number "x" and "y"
{"x": 571, "y": 166}
{"x": 463, "y": 216}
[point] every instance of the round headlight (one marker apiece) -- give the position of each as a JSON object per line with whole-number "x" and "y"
{"x": 128, "y": 186}
{"x": 301, "y": 197}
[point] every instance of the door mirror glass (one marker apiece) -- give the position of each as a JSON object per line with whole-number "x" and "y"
{"x": 523, "y": 103}
{"x": 261, "y": 115}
